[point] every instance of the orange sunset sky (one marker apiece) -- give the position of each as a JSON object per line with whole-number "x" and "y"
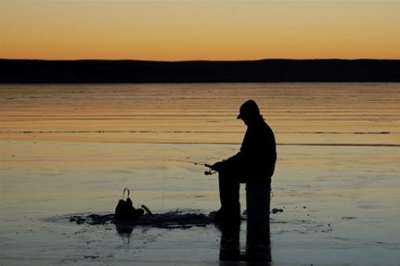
{"x": 199, "y": 30}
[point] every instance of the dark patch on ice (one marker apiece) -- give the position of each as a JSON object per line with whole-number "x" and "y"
{"x": 91, "y": 257}
{"x": 171, "y": 220}
{"x": 182, "y": 219}
{"x": 349, "y": 218}
{"x": 276, "y": 210}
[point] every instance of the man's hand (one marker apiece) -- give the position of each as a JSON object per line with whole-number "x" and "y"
{"x": 217, "y": 166}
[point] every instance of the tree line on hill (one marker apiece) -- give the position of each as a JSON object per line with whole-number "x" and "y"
{"x": 134, "y": 71}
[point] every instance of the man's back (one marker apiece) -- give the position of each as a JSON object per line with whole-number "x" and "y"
{"x": 258, "y": 152}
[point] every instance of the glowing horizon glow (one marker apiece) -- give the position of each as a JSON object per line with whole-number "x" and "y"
{"x": 199, "y": 30}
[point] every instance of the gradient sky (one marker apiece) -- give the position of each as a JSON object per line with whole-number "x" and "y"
{"x": 199, "y": 30}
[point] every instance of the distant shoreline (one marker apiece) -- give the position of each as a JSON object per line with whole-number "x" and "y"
{"x": 135, "y": 71}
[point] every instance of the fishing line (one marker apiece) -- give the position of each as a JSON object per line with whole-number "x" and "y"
{"x": 208, "y": 172}
{"x": 195, "y": 163}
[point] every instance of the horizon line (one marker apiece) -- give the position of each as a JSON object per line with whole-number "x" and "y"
{"x": 206, "y": 60}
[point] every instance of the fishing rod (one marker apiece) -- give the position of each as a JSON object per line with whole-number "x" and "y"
{"x": 207, "y": 172}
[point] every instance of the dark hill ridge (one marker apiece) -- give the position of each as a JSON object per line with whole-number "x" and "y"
{"x": 133, "y": 71}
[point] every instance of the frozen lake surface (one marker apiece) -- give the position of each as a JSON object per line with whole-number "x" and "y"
{"x": 71, "y": 149}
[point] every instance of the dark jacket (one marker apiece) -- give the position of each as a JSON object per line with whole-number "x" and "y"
{"x": 255, "y": 162}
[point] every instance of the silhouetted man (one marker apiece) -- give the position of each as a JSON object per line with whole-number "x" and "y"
{"x": 254, "y": 163}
